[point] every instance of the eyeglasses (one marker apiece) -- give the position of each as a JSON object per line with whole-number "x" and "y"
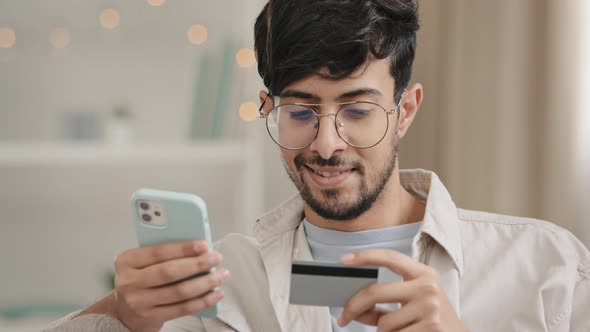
{"x": 294, "y": 126}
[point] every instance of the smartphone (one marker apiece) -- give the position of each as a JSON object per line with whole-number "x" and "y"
{"x": 328, "y": 283}
{"x": 165, "y": 216}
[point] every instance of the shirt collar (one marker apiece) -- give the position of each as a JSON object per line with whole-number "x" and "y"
{"x": 440, "y": 219}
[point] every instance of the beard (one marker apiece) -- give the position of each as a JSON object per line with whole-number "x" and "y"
{"x": 329, "y": 204}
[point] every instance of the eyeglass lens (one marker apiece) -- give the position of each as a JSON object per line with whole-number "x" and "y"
{"x": 296, "y": 126}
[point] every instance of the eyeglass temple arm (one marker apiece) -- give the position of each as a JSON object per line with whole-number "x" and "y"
{"x": 260, "y": 111}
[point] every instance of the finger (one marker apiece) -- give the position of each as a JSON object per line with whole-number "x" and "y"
{"x": 367, "y": 298}
{"x": 393, "y": 260}
{"x": 185, "y": 290}
{"x": 174, "y": 270}
{"x": 398, "y": 319}
{"x": 171, "y": 311}
{"x": 418, "y": 327}
{"x": 141, "y": 257}
{"x": 371, "y": 316}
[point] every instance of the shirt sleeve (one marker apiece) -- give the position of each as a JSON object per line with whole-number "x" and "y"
{"x": 90, "y": 322}
{"x": 580, "y": 319}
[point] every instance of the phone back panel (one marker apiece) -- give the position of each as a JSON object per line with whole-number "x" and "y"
{"x": 186, "y": 216}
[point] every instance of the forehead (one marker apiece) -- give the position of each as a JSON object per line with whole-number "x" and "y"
{"x": 375, "y": 75}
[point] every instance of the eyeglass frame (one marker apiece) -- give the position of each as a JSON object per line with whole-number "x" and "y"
{"x": 263, "y": 115}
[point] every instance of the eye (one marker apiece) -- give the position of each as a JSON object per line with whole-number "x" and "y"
{"x": 356, "y": 113}
{"x": 301, "y": 115}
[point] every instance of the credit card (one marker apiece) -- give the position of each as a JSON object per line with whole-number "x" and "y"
{"x": 328, "y": 283}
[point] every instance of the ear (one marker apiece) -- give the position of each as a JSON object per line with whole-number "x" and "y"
{"x": 268, "y": 104}
{"x": 409, "y": 106}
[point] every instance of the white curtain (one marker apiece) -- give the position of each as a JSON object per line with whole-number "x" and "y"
{"x": 583, "y": 137}
{"x": 503, "y": 121}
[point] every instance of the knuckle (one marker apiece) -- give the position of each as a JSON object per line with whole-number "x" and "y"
{"x": 180, "y": 291}
{"x": 190, "y": 307}
{"x": 166, "y": 273}
{"x": 430, "y": 288}
{"x": 348, "y": 307}
{"x": 143, "y": 314}
{"x": 119, "y": 261}
{"x": 121, "y": 282}
{"x": 431, "y": 272}
{"x": 125, "y": 280}
{"x": 383, "y": 324}
{"x": 209, "y": 301}
{"x": 211, "y": 282}
{"x": 432, "y": 305}
{"x": 434, "y": 325}
{"x": 203, "y": 263}
{"x": 159, "y": 253}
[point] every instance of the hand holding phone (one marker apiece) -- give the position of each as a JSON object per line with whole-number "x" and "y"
{"x": 173, "y": 273}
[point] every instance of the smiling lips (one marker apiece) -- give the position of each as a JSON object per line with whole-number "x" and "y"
{"x": 328, "y": 176}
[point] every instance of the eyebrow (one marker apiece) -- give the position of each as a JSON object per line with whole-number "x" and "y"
{"x": 311, "y": 97}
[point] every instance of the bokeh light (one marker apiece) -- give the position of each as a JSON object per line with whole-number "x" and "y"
{"x": 109, "y": 18}
{"x": 156, "y": 3}
{"x": 248, "y": 111}
{"x": 197, "y": 34}
{"x": 245, "y": 57}
{"x": 59, "y": 38}
{"x": 7, "y": 38}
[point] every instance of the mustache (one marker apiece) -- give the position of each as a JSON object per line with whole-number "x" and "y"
{"x": 300, "y": 160}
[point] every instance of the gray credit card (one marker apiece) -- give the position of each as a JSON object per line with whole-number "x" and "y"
{"x": 328, "y": 284}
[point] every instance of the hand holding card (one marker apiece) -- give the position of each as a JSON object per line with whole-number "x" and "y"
{"x": 328, "y": 284}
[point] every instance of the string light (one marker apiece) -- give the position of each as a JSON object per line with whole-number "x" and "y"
{"x": 197, "y": 34}
{"x": 109, "y": 18}
{"x": 248, "y": 111}
{"x": 156, "y": 3}
{"x": 245, "y": 57}
{"x": 7, "y": 38}
{"x": 59, "y": 38}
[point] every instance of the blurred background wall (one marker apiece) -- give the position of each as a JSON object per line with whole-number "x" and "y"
{"x": 99, "y": 98}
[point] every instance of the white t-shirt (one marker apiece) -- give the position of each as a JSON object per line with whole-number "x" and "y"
{"x": 329, "y": 245}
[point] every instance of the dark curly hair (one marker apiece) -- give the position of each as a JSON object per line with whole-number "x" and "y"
{"x": 296, "y": 38}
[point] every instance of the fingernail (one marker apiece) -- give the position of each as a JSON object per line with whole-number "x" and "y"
{"x": 214, "y": 259}
{"x": 340, "y": 321}
{"x": 347, "y": 258}
{"x": 222, "y": 275}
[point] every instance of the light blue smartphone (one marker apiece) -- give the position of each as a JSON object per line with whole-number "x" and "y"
{"x": 165, "y": 216}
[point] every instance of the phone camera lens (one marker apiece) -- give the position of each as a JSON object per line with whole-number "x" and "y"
{"x": 146, "y": 217}
{"x": 157, "y": 213}
{"x": 144, "y": 206}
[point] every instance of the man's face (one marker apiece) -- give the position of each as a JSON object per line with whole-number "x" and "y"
{"x": 338, "y": 181}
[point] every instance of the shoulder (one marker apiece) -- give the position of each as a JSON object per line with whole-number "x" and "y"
{"x": 236, "y": 241}
{"x": 509, "y": 223}
{"x": 241, "y": 255}
{"x": 239, "y": 251}
{"x": 531, "y": 236}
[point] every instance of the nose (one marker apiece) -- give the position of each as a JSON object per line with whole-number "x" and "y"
{"x": 327, "y": 141}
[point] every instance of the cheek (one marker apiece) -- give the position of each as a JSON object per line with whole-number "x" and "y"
{"x": 375, "y": 158}
{"x": 288, "y": 156}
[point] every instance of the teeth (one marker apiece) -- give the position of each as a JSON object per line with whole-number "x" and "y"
{"x": 327, "y": 174}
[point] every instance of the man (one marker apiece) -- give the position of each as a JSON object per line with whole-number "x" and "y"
{"x": 338, "y": 103}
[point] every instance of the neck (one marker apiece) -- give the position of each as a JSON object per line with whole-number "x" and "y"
{"x": 394, "y": 207}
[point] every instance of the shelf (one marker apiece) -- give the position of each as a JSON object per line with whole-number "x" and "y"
{"x": 95, "y": 154}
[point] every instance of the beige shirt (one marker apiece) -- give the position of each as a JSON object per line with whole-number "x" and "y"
{"x": 500, "y": 273}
